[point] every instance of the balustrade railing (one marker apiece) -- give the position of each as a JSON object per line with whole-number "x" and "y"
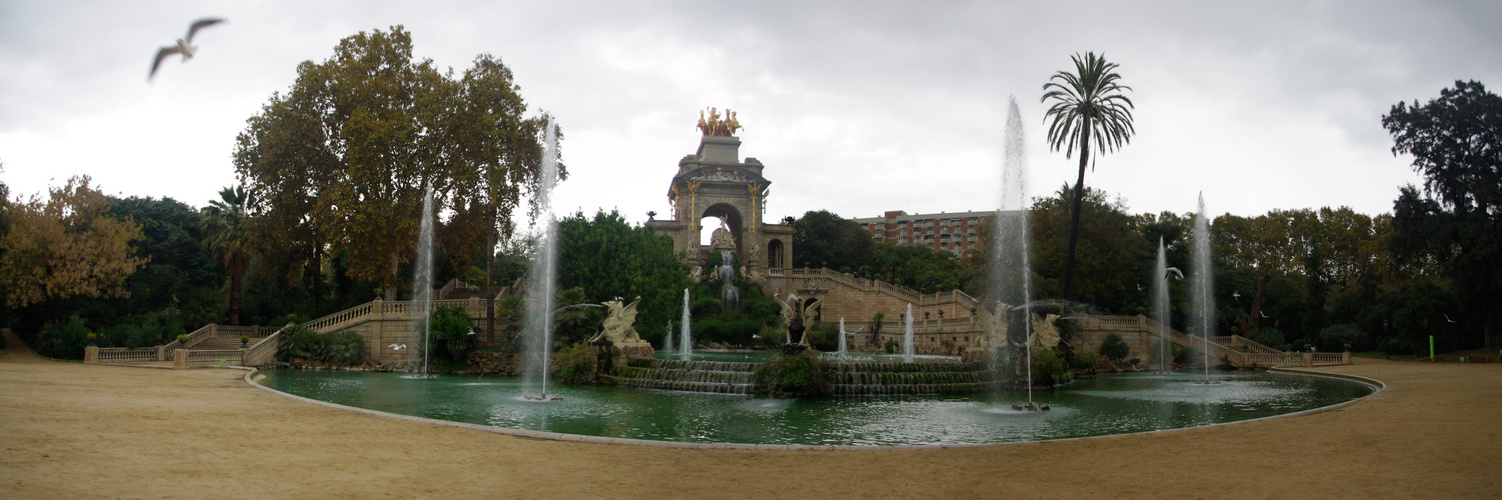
{"x": 220, "y": 357}
{"x": 338, "y": 318}
{"x": 127, "y": 354}
{"x": 197, "y": 336}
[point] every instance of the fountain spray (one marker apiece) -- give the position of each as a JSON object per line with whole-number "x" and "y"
{"x": 422, "y": 275}
{"x": 1202, "y": 282}
{"x": 544, "y": 266}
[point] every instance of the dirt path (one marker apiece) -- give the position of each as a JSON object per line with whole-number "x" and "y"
{"x": 71, "y": 430}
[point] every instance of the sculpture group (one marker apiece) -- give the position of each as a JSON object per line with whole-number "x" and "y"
{"x": 715, "y": 126}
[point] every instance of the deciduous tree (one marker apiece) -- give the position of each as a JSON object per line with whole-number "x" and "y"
{"x": 1456, "y": 143}
{"x": 66, "y": 246}
{"x": 340, "y": 162}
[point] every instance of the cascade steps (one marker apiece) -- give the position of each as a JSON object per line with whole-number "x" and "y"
{"x": 678, "y": 375}
{"x": 895, "y": 379}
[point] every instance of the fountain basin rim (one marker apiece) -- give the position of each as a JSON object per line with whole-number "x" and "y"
{"x": 251, "y": 372}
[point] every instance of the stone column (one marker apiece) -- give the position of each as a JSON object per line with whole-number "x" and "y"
{"x": 180, "y": 358}
{"x": 1345, "y": 357}
{"x": 1308, "y": 359}
{"x": 161, "y": 352}
{"x": 91, "y": 354}
{"x": 377, "y": 308}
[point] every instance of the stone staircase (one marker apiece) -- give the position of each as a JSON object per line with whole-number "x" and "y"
{"x": 719, "y": 377}
{"x": 219, "y": 343}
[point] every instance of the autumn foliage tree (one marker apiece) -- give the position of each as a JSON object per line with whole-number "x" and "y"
{"x": 66, "y": 246}
{"x": 340, "y": 162}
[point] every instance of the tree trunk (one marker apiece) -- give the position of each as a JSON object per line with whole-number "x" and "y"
{"x": 1074, "y": 218}
{"x": 1257, "y": 303}
{"x": 234, "y": 297}
{"x": 490, "y": 237}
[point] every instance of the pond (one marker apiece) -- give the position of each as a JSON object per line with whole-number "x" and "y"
{"x": 1111, "y": 404}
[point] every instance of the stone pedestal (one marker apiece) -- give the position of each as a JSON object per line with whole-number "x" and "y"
{"x": 632, "y": 349}
{"x": 91, "y": 354}
{"x": 180, "y": 358}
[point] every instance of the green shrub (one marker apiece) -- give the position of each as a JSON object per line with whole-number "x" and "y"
{"x": 1047, "y": 366}
{"x": 802, "y": 374}
{"x": 1333, "y": 338}
{"x": 1394, "y": 345}
{"x": 823, "y": 336}
{"x": 1185, "y": 355}
{"x": 1114, "y": 348}
{"x": 1085, "y": 362}
{"x": 576, "y": 363}
{"x": 64, "y": 341}
{"x": 299, "y": 343}
{"x": 1270, "y": 338}
{"x": 343, "y": 348}
{"x": 452, "y": 334}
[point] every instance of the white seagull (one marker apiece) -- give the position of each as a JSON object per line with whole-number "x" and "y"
{"x": 183, "y": 46}
{"x": 1236, "y": 295}
{"x": 397, "y": 347}
{"x": 1172, "y": 271}
{"x": 1447, "y": 318}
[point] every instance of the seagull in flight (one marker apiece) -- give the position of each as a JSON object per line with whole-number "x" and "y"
{"x": 1236, "y": 295}
{"x": 1172, "y": 271}
{"x": 397, "y": 347}
{"x": 184, "y": 46}
{"x": 1447, "y": 318}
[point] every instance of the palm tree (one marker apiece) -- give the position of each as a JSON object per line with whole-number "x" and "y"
{"x": 1089, "y": 107}
{"x": 227, "y": 234}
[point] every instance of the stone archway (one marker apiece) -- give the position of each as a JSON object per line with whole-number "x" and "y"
{"x": 775, "y": 256}
{"x": 716, "y": 182}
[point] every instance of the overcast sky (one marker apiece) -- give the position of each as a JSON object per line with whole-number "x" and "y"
{"x": 854, "y": 107}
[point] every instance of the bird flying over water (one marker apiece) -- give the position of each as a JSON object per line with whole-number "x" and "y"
{"x": 184, "y": 46}
{"x": 1173, "y": 271}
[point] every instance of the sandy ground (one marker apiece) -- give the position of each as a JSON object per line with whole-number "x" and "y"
{"x": 70, "y": 430}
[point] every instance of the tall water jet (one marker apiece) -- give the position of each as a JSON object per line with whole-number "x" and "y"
{"x": 422, "y": 275}
{"x": 1202, "y": 302}
{"x": 686, "y": 342}
{"x": 908, "y": 349}
{"x": 728, "y": 293}
{"x": 543, "y": 282}
{"x": 842, "y": 336}
{"x": 1010, "y": 275}
{"x": 1161, "y": 310}
{"x": 667, "y": 342}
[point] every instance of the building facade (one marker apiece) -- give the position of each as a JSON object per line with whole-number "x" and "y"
{"x": 954, "y": 232}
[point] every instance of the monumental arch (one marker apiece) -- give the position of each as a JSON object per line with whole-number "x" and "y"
{"x": 715, "y": 182}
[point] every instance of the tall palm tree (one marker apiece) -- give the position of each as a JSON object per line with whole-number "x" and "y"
{"x": 1089, "y": 107}
{"x": 227, "y": 234}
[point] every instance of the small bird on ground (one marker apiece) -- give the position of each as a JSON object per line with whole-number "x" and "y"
{"x": 397, "y": 347}
{"x": 183, "y": 47}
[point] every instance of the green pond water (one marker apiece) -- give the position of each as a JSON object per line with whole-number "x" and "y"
{"x": 1112, "y": 404}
